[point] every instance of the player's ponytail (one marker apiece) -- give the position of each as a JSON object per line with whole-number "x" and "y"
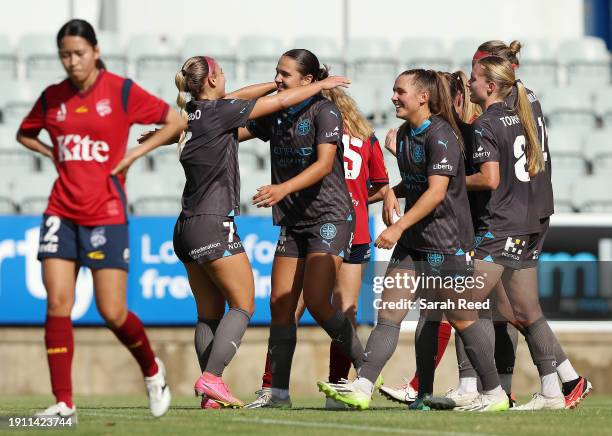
{"x": 500, "y": 71}
{"x": 189, "y": 81}
{"x": 499, "y": 48}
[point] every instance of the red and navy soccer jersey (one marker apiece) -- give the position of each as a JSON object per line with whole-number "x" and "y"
{"x": 364, "y": 166}
{"x": 89, "y": 131}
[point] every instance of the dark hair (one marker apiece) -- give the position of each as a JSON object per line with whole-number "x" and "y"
{"x": 308, "y": 63}
{"x": 435, "y": 84}
{"x": 82, "y": 28}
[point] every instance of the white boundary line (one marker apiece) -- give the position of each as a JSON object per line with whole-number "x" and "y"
{"x": 363, "y": 428}
{"x": 556, "y": 326}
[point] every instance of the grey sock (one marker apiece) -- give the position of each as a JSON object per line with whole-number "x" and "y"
{"x": 506, "y": 340}
{"x": 342, "y": 332}
{"x": 281, "y": 346}
{"x": 480, "y": 350}
{"x": 227, "y": 340}
{"x": 203, "y": 339}
{"x": 426, "y": 348}
{"x": 379, "y": 349}
{"x": 540, "y": 340}
{"x": 466, "y": 369}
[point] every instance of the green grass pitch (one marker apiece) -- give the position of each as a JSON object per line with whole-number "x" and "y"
{"x": 102, "y": 415}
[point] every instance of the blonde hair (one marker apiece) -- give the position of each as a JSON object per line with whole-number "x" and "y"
{"x": 189, "y": 81}
{"x": 499, "y": 71}
{"x": 354, "y": 122}
{"x": 499, "y": 48}
{"x": 459, "y": 83}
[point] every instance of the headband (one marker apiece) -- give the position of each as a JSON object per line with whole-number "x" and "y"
{"x": 210, "y": 62}
{"x": 483, "y": 54}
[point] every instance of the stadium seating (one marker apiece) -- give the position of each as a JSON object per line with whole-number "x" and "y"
{"x": 249, "y": 182}
{"x": 562, "y": 182}
{"x": 8, "y": 59}
{"x": 425, "y": 53}
{"x": 461, "y": 52}
{"x": 154, "y": 192}
{"x": 260, "y": 56}
{"x": 538, "y": 64}
{"x": 598, "y": 151}
{"x": 566, "y": 149}
{"x": 569, "y": 107}
{"x": 112, "y": 52}
{"x": 587, "y": 61}
{"x": 592, "y": 194}
{"x": 374, "y": 60}
{"x": 39, "y": 53}
{"x": 216, "y": 46}
{"x": 603, "y": 105}
{"x": 33, "y": 195}
{"x": 156, "y": 57}
{"x": 16, "y": 99}
{"x": 326, "y": 50}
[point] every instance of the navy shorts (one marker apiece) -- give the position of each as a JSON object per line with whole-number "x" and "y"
{"x": 204, "y": 238}
{"x": 360, "y": 254}
{"x": 92, "y": 246}
{"x": 331, "y": 238}
{"x": 433, "y": 264}
{"x": 509, "y": 251}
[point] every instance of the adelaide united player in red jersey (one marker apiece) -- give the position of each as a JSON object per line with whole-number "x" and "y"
{"x": 88, "y": 117}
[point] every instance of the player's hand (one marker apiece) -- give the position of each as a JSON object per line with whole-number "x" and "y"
{"x": 269, "y": 195}
{"x": 388, "y": 238}
{"x": 123, "y": 166}
{"x": 391, "y": 206}
{"x": 334, "y": 81}
{"x": 146, "y": 135}
{"x": 390, "y": 141}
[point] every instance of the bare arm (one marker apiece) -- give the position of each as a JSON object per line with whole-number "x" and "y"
{"x": 35, "y": 144}
{"x": 377, "y": 192}
{"x": 174, "y": 124}
{"x": 291, "y": 97}
{"x": 244, "y": 134}
{"x": 427, "y": 202}
{"x": 269, "y": 195}
{"x": 253, "y": 91}
{"x": 390, "y": 141}
{"x": 486, "y": 179}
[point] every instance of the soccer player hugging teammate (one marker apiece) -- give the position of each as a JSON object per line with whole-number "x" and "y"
{"x": 312, "y": 206}
{"x": 367, "y": 180}
{"x": 205, "y": 236}
{"x": 88, "y": 117}
{"x": 509, "y": 155}
{"x": 466, "y": 112}
{"x": 434, "y": 238}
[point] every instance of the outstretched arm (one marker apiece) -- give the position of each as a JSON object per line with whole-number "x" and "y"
{"x": 253, "y": 91}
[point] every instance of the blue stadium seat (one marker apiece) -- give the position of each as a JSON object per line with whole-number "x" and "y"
{"x": 326, "y": 50}
{"x": 39, "y": 52}
{"x": 112, "y": 52}
{"x": 8, "y": 59}
{"x": 156, "y": 58}
{"x": 425, "y": 53}
{"x": 592, "y": 194}
{"x": 569, "y": 107}
{"x": 214, "y": 45}
{"x": 587, "y": 60}
{"x": 260, "y": 55}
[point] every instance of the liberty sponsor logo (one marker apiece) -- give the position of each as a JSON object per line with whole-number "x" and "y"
{"x": 480, "y": 152}
{"x": 77, "y": 148}
{"x": 443, "y": 165}
{"x": 103, "y": 107}
{"x": 335, "y": 132}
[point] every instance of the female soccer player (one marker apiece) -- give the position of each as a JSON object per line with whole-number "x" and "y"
{"x": 205, "y": 237}
{"x": 313, "y": 207}
{"x": 433, "y": 236}
{"x": 466, "y": 111}
{"x": 88, "y": 117}
{"x": 366, "y": 179}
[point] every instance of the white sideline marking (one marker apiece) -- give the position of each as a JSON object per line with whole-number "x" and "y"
{"x": 365, "y": 428}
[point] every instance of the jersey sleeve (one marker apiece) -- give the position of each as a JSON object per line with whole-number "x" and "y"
{"x": 485, "y": 146}
{"x": 234, "y": 113}
{"x": 145, "y": 108}
{"x": 328, "y": 125}
{"x": 261, "y": 128}
{"x": 376, "y": 165}
{"x": 34, "y": 122}
{"x": 443, "y": 153}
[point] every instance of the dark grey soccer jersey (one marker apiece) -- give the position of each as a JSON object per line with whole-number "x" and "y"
{"x": 541, "y": 184}
{"x": 508, "y": 210}
{"x": 294, "y": 135}
{"x": 433, "y": 149}
{"x": 210, "y": 156}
